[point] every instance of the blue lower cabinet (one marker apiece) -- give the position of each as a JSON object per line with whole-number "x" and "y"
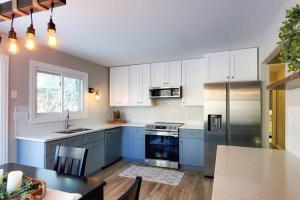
{"x": 113, "y": 141}
{"x": 33, "y": 153}
{"x": 191, "y": 149}
{"x": 133, "y": 143}
{"x": 95, "y": 158}
{"x": 41, "y": 154}
{"x": 139, "y": 145}
{"x": 126, "y": 142}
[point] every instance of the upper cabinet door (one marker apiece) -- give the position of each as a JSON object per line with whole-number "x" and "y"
{"x": 173, "y": 74}
{"x": 115, "y": 83}
{"x": 135, "y": 85}
{"x": 124, "y": 76}
{"x": 146, "y": 84}
{"x": 166, "y": 74}
{"x": 219, "y": 70}
{"x": 194, "y": 73}
{"x": 158, "y": 74}
{"x": 244, "y": 65}
{"x": 139, "y": 85}
{"x": 119, "y": 86}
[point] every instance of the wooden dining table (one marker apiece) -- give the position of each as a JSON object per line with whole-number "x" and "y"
{"x": 89, "y": 188}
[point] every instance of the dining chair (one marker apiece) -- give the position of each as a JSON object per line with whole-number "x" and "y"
{"x": 70, "y": 160}
{"x": 133, "y": 192}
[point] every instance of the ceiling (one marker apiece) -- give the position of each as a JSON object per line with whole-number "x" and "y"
{"x": 120, "y": 32}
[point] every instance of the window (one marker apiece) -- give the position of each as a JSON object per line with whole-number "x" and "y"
{"x": 54, "y": 90}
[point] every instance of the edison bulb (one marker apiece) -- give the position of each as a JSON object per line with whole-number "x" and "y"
{"x": 52, "y": 41}
{"x": 13, "y": 46}
{"x": 30, "y": 41}
{"x": 97, "y": 96}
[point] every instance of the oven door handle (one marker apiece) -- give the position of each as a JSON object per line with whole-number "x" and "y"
{"x": 161, "y": 133}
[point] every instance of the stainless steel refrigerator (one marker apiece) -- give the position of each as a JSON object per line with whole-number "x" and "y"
{"x": 232, "y": 116}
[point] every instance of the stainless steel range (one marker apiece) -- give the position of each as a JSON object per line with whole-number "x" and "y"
{"x": 162, "y": 144}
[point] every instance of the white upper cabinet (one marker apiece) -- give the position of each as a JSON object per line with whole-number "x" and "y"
{"x": 239, "y": 65}
{"x": 139, "y": 85}
{"x": 244, "y": 65}
{"x": 166, "y": 74}
{"x": 158, "y": 74}
{"x": 219, "y": 66}
{"x": 173, "y": 72}
{"x": 119, "y": 86}
{"x": 194, "y": 74}
{"x": 135, "y": 85}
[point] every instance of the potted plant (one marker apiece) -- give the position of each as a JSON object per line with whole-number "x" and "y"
{"x": 289, "y": 43}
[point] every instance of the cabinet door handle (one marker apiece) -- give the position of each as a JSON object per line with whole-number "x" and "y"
{"x": 232, "y": 77}
{"x": 228, "y": 77}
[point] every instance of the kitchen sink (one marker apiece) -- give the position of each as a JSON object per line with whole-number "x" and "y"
{"x": 77, "y": 130}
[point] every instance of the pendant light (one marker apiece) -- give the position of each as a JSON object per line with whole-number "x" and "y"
{"x": 30, "y": 35}
{"x": 12, "y": 36}
{"x": 52, "y": 40}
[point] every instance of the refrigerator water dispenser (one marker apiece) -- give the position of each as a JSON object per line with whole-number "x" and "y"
{"x": 214, "y": 123}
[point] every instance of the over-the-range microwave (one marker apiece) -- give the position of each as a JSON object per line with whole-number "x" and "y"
{"x": 165, "y": 92}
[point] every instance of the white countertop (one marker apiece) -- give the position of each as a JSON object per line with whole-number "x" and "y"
{"x": 256, "y": 174}
{"x": 192, "y": 126}
{"x": 51, "y": 136}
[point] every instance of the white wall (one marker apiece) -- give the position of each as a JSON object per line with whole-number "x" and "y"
{"x": 165, "y": 110}
{"x": 267, "y": 46}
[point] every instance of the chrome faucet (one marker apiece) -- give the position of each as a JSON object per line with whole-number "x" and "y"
{"x": 67, "y": 121}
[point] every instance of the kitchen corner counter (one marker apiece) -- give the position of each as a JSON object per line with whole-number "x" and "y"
{"x": 52, "y": 136}
{"x": 252, "y": 173}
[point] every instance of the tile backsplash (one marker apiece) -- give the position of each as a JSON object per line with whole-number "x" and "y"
{"x": 166, "y": 110}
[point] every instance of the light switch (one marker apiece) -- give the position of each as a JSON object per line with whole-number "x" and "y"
{"x": 13, "y": 94}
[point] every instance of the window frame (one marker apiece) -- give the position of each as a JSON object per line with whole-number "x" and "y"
{"x": 37, "y": 66}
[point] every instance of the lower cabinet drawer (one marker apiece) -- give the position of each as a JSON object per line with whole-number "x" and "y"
{"x": 51, "y": 146}
{"x": 77, "y": 141}
{"x": 191, "y": 133}
{"x": 92, "y": 137}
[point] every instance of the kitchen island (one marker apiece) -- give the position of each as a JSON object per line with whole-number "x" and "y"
{"x": 256, "y": 174}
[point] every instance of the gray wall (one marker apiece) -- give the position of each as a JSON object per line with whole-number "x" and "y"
{"x": 19, "y": 80}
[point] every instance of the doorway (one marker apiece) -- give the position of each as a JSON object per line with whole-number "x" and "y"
{"x": 277, "y": 108}
{"x": 3, "y": 109}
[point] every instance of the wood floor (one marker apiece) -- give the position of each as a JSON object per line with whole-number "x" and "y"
{"x": 193, "y": 186}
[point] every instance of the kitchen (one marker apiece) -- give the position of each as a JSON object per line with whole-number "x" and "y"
{"x": 163, "y": 119}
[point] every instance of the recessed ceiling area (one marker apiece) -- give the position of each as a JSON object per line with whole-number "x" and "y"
{"x": 115, "y": 33}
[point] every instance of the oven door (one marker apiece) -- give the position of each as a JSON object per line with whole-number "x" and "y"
{"x": 162, "y": 146}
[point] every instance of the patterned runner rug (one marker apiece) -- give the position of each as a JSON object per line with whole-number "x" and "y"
{"x": 170, "y": 177}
